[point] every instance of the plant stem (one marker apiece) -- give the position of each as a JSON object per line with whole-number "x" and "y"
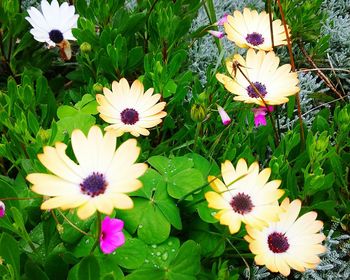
{"x": 198, "y": 128}
{"x": 70, "y": 223}
{"x": 292, "y": 63}
{"x": 98, "y": 224}
{"x": 318, "y": 71}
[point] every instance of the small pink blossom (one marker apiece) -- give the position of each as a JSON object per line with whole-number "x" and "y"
{"x": 222, "y": 20}
{"x": 260, "y": 115}
{"x": 111, "y": 236}
{"x": 2, "y": 209}
{"x": 224, "y": 116}
{"x": 217, "y": 34}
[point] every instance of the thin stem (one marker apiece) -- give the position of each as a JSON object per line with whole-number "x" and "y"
{"x": 318, "y": 71}
{"x": 266, "y": 106}
{"x": 196, "y": 135}
{"x": 73, "y": 225}
{"x": 98, "y": 224}
{"x": 292, "y": 63}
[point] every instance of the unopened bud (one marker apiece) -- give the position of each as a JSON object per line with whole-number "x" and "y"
{"x": 97, "y": 88}
{"x": 85, "y": 47}
{"x": 2, "y": 209}
{"x": 224, "y": 116}
{"x": 198, "y": 112}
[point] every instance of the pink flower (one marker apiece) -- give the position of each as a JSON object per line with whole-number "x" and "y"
{"x": 217, "y": 34}
{"x": 259, "y": 115}
{"x": 2, "y": 209}
{"x": 224, "y": 116}
{"x": 222, "y": 20}
{"x": 112, "y": 236}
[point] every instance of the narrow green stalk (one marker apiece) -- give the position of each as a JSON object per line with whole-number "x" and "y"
{"x": 292, "y": 63}
{"x": 210, "y": 11}
{"x": 98, "y": 224}
{"x": 196, "y": 135}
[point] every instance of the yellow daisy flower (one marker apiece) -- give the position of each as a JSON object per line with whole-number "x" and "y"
{"x": 130, "y": 109}
{"x": 252, "y": 30}
{"x": 100, "y": 181}
{"x": 274, "y": 83}
{"x": 244, "y": 196}
{"x": 288, "y": 243}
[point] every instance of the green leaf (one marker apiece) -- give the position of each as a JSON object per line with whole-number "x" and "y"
{"x": 34, "y": 272}
{"x": 169, "y": 88}
{"x": 145, "y": 274}
{"x": 185, "y": 182}
{"x": 110, "y": 268}
{"x": 10, "y": 252}
{"x": 154, "y": 227}
{"x": 132, "y": 254}
{"x": 186, "y": 264}
{"x": 162, "y": 254}
{"x": 33, "y": 123}
{"x": 151, "y": 225}
{"x": 56, "y": 267}
{"x": 89, "y": 269}
{"x": 65, "y": 111}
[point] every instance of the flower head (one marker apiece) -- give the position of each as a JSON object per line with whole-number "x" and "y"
{"x": 244, "y": 196}
{"x": 130, "y": 109}
{"x": 54, "y": 24}
{"x": 259, "y": 115}
{"x": 291, "y": 242}
{"x": 2, "y": 209}
{"x": 252, "y": 30}
{"x": 217, "y": 34}
{"x": 100, "y": 182}
{"x": 112, "y": 235}
{"x": 225, "y": 118}
{"x": 274, "y": 83}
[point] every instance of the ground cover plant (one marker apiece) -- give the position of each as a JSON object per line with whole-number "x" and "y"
{"x": 174, "y": 139}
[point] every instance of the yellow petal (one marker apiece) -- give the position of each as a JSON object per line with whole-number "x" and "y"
{"x": 122, "y": 201}
{"x": 232, "y": 220}
{"x": 216, "y": 201}
{"x": 216, "y": 184}
{"x": 86, "y": 210}
{"x": 53, "y": 162}
{"x": 51, "y": 185}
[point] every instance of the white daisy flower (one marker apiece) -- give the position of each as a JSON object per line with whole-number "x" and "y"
{"x": 54, "y": 24}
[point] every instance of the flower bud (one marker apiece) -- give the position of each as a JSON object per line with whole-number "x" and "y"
{"x": 85, "y": 47}
{"x": 224, "y": 116}
{"x": 198, "y": 112}
{"x": 97, "y": 88}
{"x": 217, "y": 34}
{"x": 2, "y": 209}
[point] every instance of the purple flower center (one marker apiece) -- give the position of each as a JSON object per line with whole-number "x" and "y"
{"x": 56, "y": 36}
{"x": 129, "y": 116}
{"x": 278, "y": 242}
{"x": 260, "y": 87}
{"x": 94, "y": 184}
{"x": 242, "y": 203}
{"x": 255, "y": 39}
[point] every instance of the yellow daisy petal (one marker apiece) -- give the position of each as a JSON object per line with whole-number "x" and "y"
{"x": 216, "y": 201}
